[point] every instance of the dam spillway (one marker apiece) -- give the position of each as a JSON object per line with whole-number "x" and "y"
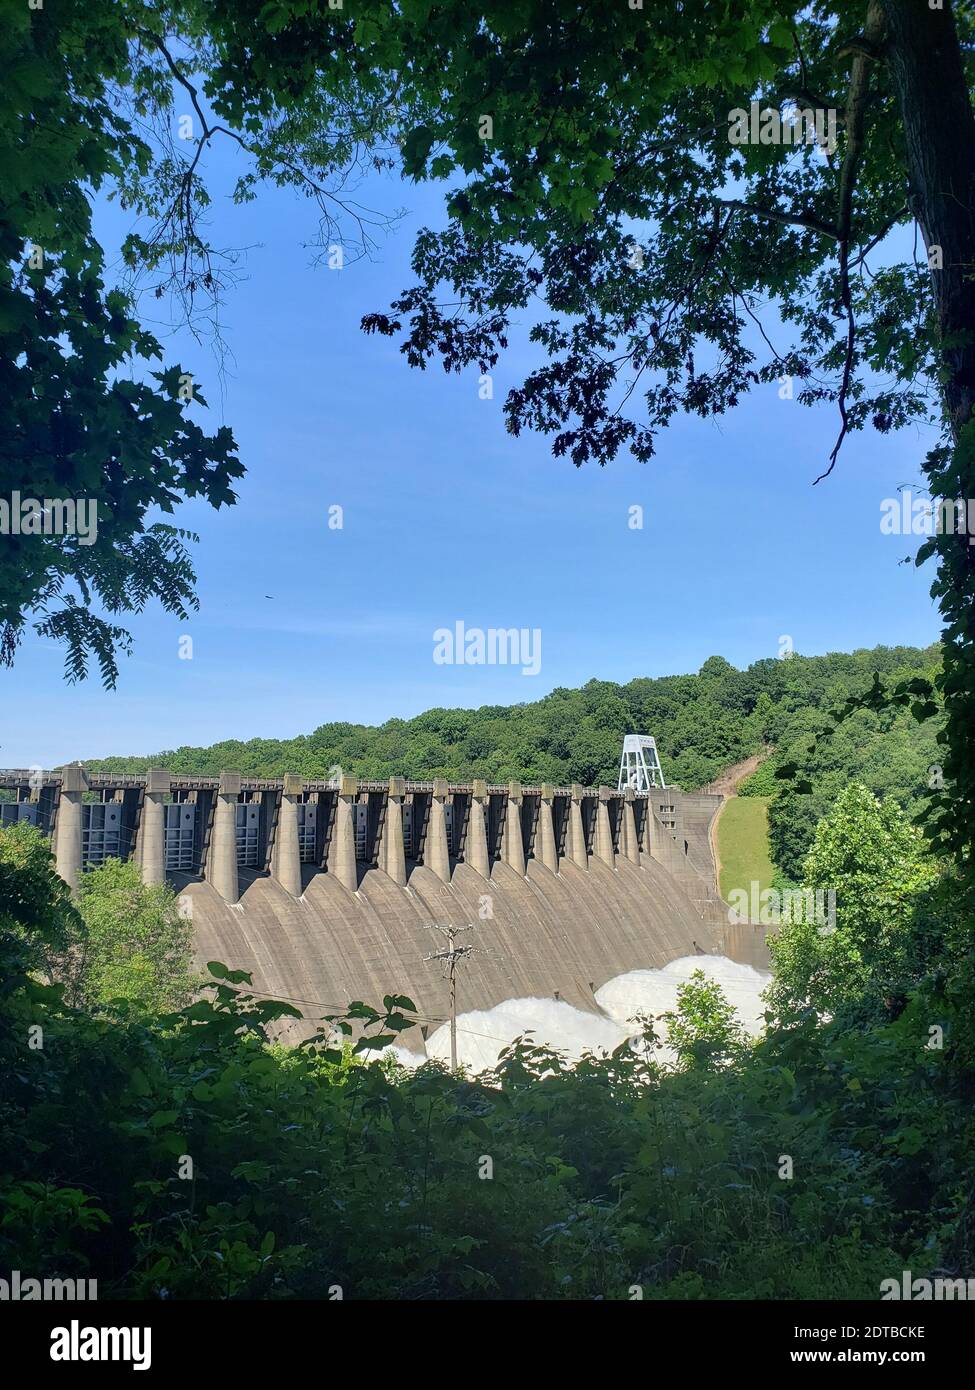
{"x": 325, "y": 890}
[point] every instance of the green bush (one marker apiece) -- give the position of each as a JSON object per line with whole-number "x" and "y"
{"x": 138, "y": 945}
{"x": 875, "y": 865}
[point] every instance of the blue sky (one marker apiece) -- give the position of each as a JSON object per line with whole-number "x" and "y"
{"x": 447, "y": 518}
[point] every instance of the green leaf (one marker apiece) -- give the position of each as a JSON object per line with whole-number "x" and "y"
{"x": 162, "y": 1118}
{"x": 398, "y": 1001}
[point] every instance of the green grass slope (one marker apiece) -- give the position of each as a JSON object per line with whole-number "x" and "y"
{"x": 741, "y": 838}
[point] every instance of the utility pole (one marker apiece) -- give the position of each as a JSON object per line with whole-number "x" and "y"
{"x": 449, "y": 957}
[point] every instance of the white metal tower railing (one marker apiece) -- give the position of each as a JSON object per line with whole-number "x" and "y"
{"x": 640, "y": 764}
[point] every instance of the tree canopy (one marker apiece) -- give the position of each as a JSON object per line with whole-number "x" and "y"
{"x": 875, "y": 864}
{"x": 669, "y": 267}
{"x": 87, "y": 408}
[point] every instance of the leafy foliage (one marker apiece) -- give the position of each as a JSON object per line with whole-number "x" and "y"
{"x": 186, "y": 1155}
{"x": 137, "y": 943}
{"x": 608, "y": 200}
{"x": 877, "y": 865}
{"x": 850, "y": 737}
{"x": 704, "y": 1030}
{"x": 83, "y": 413}
{"x": 38, "y": 923}
{"x": 88, "y": 411}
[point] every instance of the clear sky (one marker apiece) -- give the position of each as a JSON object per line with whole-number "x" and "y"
{"x": 449, "y": 519}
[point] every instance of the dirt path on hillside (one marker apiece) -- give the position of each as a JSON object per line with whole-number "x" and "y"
{"x": 727, "y": 783}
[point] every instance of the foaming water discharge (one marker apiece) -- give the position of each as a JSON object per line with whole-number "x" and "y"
{"x": 655, "y": 991}
{"x": 483, "y": 1033}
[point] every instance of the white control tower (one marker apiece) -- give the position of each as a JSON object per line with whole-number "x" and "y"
{"x": 640, "y": 764}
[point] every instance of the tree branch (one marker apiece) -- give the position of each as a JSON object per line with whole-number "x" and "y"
{"x": 888, "y": 226}
{"x": 789, "y": 219}
{"x": 864, "y": 50}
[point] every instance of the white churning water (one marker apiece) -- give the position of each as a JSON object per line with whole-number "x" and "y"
{"x": 483, "y": 1033}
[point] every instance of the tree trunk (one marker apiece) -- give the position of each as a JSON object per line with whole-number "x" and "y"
{"x": 939, "y": 130}
{"x": 928, "y": 76}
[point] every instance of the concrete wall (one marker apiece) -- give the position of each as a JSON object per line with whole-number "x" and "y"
{"x": 553, "y": 918}
{"x": 547, "y": 933}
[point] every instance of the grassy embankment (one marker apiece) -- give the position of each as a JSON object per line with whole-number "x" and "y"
{"x": 741, "y": 836}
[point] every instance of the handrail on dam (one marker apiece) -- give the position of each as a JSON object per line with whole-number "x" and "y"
{"x": 96, "y": 780}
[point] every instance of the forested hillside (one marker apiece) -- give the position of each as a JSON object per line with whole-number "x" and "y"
{"x": 889, "y": 752}
{"x": 702, "y": 723}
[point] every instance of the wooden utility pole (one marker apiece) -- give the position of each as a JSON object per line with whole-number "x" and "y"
{"x": 449, "y": 957}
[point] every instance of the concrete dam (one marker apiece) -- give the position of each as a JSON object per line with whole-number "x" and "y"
{"x": 324, "y": 890}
